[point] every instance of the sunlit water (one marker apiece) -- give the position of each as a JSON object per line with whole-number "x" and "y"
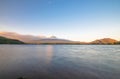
{"x": 60, "y": 61}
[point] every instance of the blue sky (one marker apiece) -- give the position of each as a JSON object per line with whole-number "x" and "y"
{"x": 81, "y": 20}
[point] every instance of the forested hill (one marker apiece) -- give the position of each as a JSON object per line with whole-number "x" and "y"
{"x": 4, "y": 40}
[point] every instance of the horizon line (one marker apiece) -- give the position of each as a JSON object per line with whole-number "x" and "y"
{"x": 52, "y": 36}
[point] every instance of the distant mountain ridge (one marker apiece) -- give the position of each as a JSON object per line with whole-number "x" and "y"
{"x": 30, "y": 39}
{"x": 33, "y": 39}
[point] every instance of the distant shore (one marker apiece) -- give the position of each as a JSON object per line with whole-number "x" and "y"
{"x": 104, "y": 41}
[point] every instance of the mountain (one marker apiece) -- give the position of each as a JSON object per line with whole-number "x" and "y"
{"x": 23, "y": 38}
{"x": 30, "y": 39}
{"x": 33, "y": 39}
{"x": 52, "y": 41}
{"x": 4, "y": 40}
{"x": 104, "y": 41}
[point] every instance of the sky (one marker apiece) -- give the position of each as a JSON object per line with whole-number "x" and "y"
{"x": 80, "y": 20}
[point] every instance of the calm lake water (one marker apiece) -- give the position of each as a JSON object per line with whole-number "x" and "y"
{"x": 60, "y": 61}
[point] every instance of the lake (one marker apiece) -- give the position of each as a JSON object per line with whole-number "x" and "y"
{"x": 60, "y": 61}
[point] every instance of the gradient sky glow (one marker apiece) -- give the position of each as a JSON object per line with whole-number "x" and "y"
{"x": 81, "y": 20}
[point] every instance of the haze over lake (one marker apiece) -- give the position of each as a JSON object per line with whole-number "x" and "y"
{"x": 60, "y": 61}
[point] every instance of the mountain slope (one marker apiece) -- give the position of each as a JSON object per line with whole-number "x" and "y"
{"x": 52, "y": 40}
{"x": 33, "y": 39}
{"x": 30, "y": 39}
{"x": 24, "y": 38}
{"x": 104, "y": 41}
{"x": 4, "y": 40}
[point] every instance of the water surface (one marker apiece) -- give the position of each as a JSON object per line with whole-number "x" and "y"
{"x": 60, "y": 61}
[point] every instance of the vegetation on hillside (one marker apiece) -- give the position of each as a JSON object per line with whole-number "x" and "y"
{"x": 4, "y": 40}
{"x": 117, "y": 42}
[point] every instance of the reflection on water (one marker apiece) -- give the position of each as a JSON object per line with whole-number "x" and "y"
{"x": 48, "y": 54}
{"x": 60, "y": 61}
